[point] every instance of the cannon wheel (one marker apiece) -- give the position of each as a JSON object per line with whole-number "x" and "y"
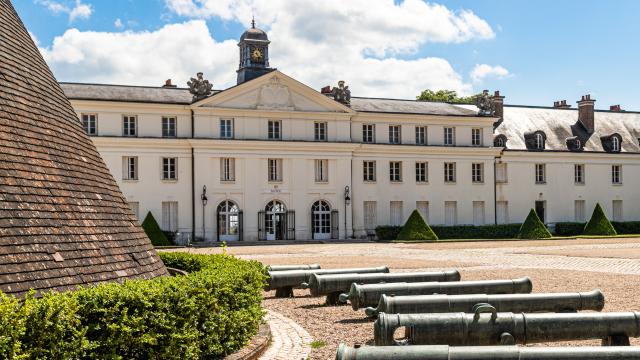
{"x": 284, "y": 292}
{"x": 334, "y": 298}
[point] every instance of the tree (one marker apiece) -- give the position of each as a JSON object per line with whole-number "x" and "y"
{"x": 155, "y": 234}
{"x": 533, "y": 228}
{"x": 599, "y": 224}
{"x": 416, "y": 229}
{"x": 448, "y": 96}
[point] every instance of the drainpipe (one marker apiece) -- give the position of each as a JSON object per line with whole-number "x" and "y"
{"x": 495, "y": 185}
{"x": 193, "y": 182}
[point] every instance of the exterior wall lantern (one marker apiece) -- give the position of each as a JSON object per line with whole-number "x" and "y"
{"x": 204, "y": 199}
{"x": 347, "y": 201}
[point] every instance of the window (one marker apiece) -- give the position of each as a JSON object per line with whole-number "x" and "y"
{"x": 423, "y": 209}
{"x": 449, "y": 172}
{"x": 449, "y": 136}
{"x": 539, "y": 141}
{"x": 450, "y": 213}
{"x": 322, "y": 170}
{"x": 421, "y": 135}
{"x": 168, "y": 127}
{"x": 170, "y": 216}
{"x": 476, "y": 137}
{"x": 395, "y": 171}
{"x": 135, "y": 208}
{"x": 395, "y": 213}
{"x": 478, "y": 213}
{"x": 615, "y": 144}
{"x": 130, "y": 168}
{"x": 616, "y": 174}
{"x": 275, "y": 169}
{"x": 370, "y": 215}
{"x": 274, "y": 129}
{"x": 639, "y": 141}
{"x": 477, "y": 173}
{"x": 369, "y": 170}
{"x": 227, "y": 169}
{"x": 502, "y": 212}
{"x": 422, "y": 171}
{"x": 394, "y": 134}
{"x": 169, "y": 166}
{"x": 499, "y": 142}
{"x": 90, "y": 123}
{"x": 617, "y": 210}
{"x": 541, "y": 177}
{"x": 579, "y": 211}
{"x": 226, "y": 128}
{"x": 129, "y": 125}
{"x": 501, "y": 172}
{"x": 320, "y": 131}
{"x": 578, "y": 174}
{"x": 368, "y": 133}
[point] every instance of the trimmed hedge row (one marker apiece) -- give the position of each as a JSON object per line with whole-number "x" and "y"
{"x": 416, "y": 229}
{"x": 576, "y": 228}
{"x": 211, "y": 312}
{"x": 505, "y": 231}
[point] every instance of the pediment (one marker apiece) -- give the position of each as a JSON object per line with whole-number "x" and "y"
{"x": 273, "y": 92}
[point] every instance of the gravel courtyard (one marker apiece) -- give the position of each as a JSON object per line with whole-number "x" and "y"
{"x": 611, "y": 265}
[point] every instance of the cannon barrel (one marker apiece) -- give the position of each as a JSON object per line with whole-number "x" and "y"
{"x": 321, "y": 284}
{"x": 552, "y": 302}
{"x": 444, "y": 352}
{"x": 292, "y": 267}
{"x": 294, "y": 278}
{"x": 365, "y": 295}
{"x": 488, "y": 327}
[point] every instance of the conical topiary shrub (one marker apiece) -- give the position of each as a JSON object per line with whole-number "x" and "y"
{"x": 599, "y": 224}
{"x": 155, "y": 234}
{"x": 533, "y": 228}
{"x": 416, "y": 229}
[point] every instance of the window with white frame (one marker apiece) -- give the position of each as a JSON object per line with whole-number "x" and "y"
{"x": 449, "y": 136}
{"x": 370, "y": 215}
{"x": 130, "y": 168}
{"x": 227, "y": 169}
{"x": 226, "y": 128}
{"x": 322, "y": 170}
{"x": 274, "y": 130}
{"x": 578, "y": 174}
{"x": 616, "y": 174}
{"x": 90, "y": 123}
{"x": 617, "y": 210}
{"x": 541, "y": 176}
{"x": 423, "y": 209}
{"x": 422, "y": 171}
{"x": 579, "y": 211}
{"x": 449, "y": 172}
{"x": 615, "y": 144}
{"x": 539, "y": 141}
{"x": 169, "y": 168}
{"x": 369, "y": 170}
{"x": 135, "y": 208}
{"x": 502, "y": 212}
{"x": 170, "y": 216}
{"x": 320, "y": 131}
{"x": 394, "y": 134}
{"x": 275, "y": 169}
{"x": 500, "y": 142}
{"x": 395, "y": 171}
{"x": 450, "y": 213}
{"x": 501, "y": 173}
{"x": 477, "y": 173}
{"x": 478, "y": 213}
{"x": 129, "y": 125}
{"x": 169, "y": 129}
{"x": 368, "y": 133}
{"x": 421, "y": 135}
{"x": 476, "y": 137}
{"x": 395, "y": 213}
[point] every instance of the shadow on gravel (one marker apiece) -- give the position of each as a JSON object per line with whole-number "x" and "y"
{"x": 356, "y": 321}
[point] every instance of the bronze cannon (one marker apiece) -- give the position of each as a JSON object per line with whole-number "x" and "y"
{"x": 292, "y": 267}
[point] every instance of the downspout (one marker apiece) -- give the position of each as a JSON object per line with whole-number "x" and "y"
{"x": 495, "y": 186}
{"x": 193, "y": 181}
{"x": 353, "y": 192}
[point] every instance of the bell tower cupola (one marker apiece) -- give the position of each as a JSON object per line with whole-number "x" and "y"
{"x": 254, "y": 54}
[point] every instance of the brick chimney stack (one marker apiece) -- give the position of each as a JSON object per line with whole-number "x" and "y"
{"x": 615, "y": 108}
{"x": 585, "y": 113}
{"x": 325, "y": 90}
{"x": 498, "y": 104}
{"x": 168, "y": 84}
{"x": 561, "y": 104}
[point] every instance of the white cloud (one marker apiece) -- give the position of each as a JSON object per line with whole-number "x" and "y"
{"x": 483, "y": 71}
{"x": 118, "y": 24}
{"x": 75, "y": 10}
{"x": 80, "y": 11}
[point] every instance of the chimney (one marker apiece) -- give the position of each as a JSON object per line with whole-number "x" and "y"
{"x": 168, "y": 84}
{"x": 498, "y": 104}
{"x": 561, "y": 104}
{"x": 325, "y": 90}
{"x": 585, "y": 113}
{"x": 615, "y": 108}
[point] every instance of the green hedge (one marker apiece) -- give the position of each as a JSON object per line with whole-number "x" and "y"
{"x": 416, "y": 229}
{"x": 627, "y": 227}
{"x": 599, "y": 224}
{"x": 533, "y": 228}
{"x": 569, "y": 228}
{"x": 505, "y": 231}
{"x": 153, "y": 231}
{"x": 208, "y": 313}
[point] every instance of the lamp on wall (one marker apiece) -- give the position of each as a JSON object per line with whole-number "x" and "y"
{"x": 204, "y": 199}
{"x": 347, "y": 201}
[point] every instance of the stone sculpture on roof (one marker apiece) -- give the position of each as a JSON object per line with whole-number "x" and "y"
{"x": 485, "y": 104}
{"x": 341, "y": 94}
{"x": 199, "y": 87}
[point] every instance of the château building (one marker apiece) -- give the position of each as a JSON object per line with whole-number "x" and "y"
{"x": 276, "y": 159}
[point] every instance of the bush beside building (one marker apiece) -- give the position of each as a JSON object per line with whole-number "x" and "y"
{"x": 416, "y": 229}
{"x": 599, "y": 224}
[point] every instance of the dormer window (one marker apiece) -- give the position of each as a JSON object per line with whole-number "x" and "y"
{"x": 574, "y": 144}
{"x": 612, "y": 143}
{"x": 539, "y": 141}
{"x": 500, "y": 141}
{"x": 535, "y": 140}
{"x": 615, "y": 144}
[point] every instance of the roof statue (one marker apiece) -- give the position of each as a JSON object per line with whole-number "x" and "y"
{"x": 341, "y": 94}
{"x": 199, "y": 87}
{"x": 63, "y": 220}
{"x": 485, "y": 104}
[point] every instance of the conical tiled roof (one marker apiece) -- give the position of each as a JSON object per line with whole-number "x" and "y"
{"x": 63, "y": 220}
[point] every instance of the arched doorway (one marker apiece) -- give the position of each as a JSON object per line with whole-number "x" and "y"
{"x": 275, "y": 222}
{"x": 321, "y": 220}
{"x": 229, "y": 221}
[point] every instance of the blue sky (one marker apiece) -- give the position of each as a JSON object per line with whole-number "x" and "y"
{"x": 535, "y": 51}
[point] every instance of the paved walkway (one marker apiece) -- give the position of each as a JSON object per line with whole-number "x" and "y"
{"x": 289, "y": 341}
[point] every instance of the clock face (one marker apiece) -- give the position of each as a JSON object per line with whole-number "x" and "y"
{"x": 256, "y": 54}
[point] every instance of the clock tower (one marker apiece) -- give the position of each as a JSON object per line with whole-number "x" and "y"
{"x": 254, "y": 54}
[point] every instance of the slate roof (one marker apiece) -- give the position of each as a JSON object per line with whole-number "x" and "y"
{"x": 397, "y": 106}
{"x": 63, "y": 220}
{"x": 127, "y": 93}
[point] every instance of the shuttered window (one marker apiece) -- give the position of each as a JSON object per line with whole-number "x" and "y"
{"x": 170, "y": 216}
